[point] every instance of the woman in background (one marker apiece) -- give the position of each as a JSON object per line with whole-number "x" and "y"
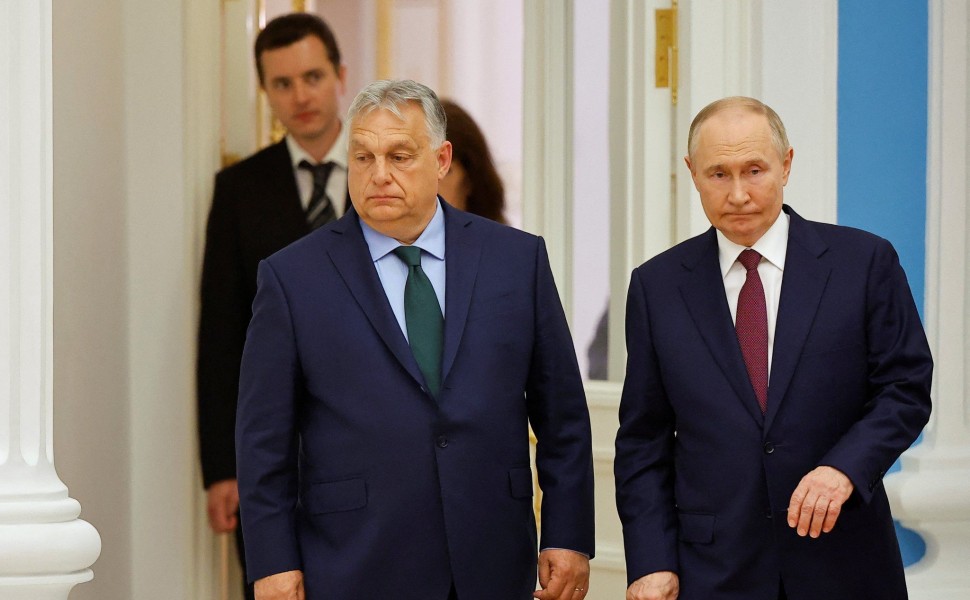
{"x": 472, "y": 184}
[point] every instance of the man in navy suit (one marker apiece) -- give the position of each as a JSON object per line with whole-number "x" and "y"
{"x": 776, "y": 369}
{"x": 260, "y": 205}
{"x": 368, "y": 470}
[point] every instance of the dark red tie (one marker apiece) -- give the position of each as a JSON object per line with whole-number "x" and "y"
{"x": 751, "y": 325}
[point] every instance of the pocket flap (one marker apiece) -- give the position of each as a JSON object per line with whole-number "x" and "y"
{"x": 697, "y": 528}
{"x": 335, "y": 496}
{"x": 520, "y": 482}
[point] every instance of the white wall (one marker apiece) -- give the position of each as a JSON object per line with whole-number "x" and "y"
{"x": 798, "y": 78}
{"x": 485, "y": 61}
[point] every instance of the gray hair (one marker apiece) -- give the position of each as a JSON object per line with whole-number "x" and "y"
{"x": 391, "y": 95}
{"x": 779, "y": 137}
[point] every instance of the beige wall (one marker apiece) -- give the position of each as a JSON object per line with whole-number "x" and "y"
{"x": 130, "y": 177}
{"x": 90, "y": 281}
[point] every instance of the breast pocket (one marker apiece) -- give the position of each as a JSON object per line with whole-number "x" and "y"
{"x": 497, "y": 305}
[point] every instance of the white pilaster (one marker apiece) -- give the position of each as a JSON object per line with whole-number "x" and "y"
{"x": 45, "y": 550}
{"x": 547, "y": 145}
{"x": 932, "y": 492}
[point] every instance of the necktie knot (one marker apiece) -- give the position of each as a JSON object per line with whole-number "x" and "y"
{"x": 749, "y": 259}
{"x": 320, "y": 172}
{"x": 411, "y": 255}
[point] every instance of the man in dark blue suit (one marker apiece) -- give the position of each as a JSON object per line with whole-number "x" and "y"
{"x": 776, "y": 369}
{"x": 393, "y": 365}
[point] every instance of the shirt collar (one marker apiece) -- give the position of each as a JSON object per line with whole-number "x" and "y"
{"x": 337, "y": 153}
{"x": 773, "y": 245}
{"x": 431, "y": 240}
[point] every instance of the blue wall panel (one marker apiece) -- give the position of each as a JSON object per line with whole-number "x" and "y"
{"x": 882, "y": 125}
{"x": 882, "y": 106}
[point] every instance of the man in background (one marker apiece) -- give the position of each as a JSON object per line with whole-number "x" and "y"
{"x": 776, "y": 369}
{"x": 260, "y": 205}
{"x": 393, "y": 365}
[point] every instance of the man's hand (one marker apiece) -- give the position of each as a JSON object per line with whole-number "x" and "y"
{"x": 281, "y": 586}
{"x": 817, "y": 501}
{"x": 563, "y": 575}
{"x": 662, "y": 585}
{"x": 223, "y": 505}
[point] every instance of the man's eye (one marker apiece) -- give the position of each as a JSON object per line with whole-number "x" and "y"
{"x": 755, "y": 170}
{"x": 400, "y": 157}
{"x": 281, "y": 85}
{"x": 313, "y": 77}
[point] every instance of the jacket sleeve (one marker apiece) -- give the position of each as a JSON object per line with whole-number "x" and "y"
{"x": 560, "y": 420}
{"x": 224, "y": 315}
{"x": 267, "y": 433}
{"x": 643, "y": 466}
{"x": 900, "y": 370}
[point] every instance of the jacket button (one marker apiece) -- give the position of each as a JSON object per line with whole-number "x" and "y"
{"x": 769, "y": 447}
{"x": 442, "y": 441}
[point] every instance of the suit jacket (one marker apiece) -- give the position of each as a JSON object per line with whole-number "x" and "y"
{"x": 352, "y": 472}
{"x": 704, "y": 479}
{"x": 256, "y": 211}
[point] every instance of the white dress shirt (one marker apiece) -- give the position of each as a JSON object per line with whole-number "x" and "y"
{"x": 336, "y": 184}
{"x": 773, "y": 247}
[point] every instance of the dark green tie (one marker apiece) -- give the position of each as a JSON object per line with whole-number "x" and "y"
{"x": 422, "y": 316}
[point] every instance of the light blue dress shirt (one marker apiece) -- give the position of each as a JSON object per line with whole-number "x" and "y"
{"x": 392, "y": 271}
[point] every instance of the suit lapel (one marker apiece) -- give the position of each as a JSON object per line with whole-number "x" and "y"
{"x": 462, "y": 252}
{"x": 703, "y": 293}
{"x": 352, "y": 260}
{"x": 801, "y": 291}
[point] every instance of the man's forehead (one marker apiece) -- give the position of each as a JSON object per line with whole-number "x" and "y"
{"x": 733, "y": 131}
{"x": 291, "y": 60}
{"x": 384, "y": 124}
{"x": 735, "y": 118}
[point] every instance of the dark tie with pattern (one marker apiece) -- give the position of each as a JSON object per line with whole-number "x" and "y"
{"x": 320, "y": 211}
{"x": 751, "y": 325}
{"x": 422, "y": 316}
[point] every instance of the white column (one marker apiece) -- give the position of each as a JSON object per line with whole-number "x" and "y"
{"x": 932, "y": 492}
{"x": 45, "y": 550}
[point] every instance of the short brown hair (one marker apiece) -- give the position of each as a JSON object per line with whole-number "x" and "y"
{"x": 778, "y": 134}
{"x": 290, "y": 29}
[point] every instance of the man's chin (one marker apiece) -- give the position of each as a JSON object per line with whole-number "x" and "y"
{"x": 381, "y": 213}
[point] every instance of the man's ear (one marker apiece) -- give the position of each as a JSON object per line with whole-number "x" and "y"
{"x": 444, "y": 159}
{"x": 786, "y": 164}
{"x": 342, "y": 77}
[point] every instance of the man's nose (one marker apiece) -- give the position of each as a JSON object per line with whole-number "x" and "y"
{"x": 738, "y": 193}
{"x": 382, "y": 171}
{"x": 300, "y": 92}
